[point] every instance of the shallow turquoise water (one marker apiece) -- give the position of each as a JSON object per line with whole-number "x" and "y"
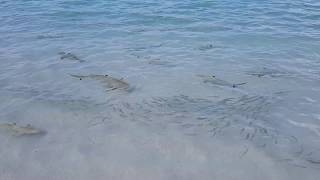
{"x": 175, "y": 123}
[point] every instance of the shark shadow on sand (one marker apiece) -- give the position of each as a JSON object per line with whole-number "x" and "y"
{"x": 219, "y": 82}
{"x": 17, "y": 130}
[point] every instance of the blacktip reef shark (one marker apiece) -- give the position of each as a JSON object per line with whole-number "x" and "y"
{"x": 108, "y": 81}
{"x": 69, "y": 56}
{"x": 214, "y": 80}
{"x": 17, "y": 130}
{"x": 266, "y": 72}
{"x": 206, "y": 47}
{"x": 49, "y": 36}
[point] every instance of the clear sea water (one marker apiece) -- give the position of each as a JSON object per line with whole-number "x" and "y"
{"x": 173, "y": 124}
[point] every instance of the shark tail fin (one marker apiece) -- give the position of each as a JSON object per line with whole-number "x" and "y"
{"x": 239, "y": 84}
{"x": 77, "y": 76}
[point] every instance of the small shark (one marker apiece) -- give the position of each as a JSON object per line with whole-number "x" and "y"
{"x": 206, "y": 47}
{"x": 209, "y": 47}
{"x": 48, "y": 36}
{"x": 109, "y": 82}
{"x": 69, "y": 56}
{"x": 22, "y": 130}
{"x": 268, "y": 72}
{"x": 213, "y": 80}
